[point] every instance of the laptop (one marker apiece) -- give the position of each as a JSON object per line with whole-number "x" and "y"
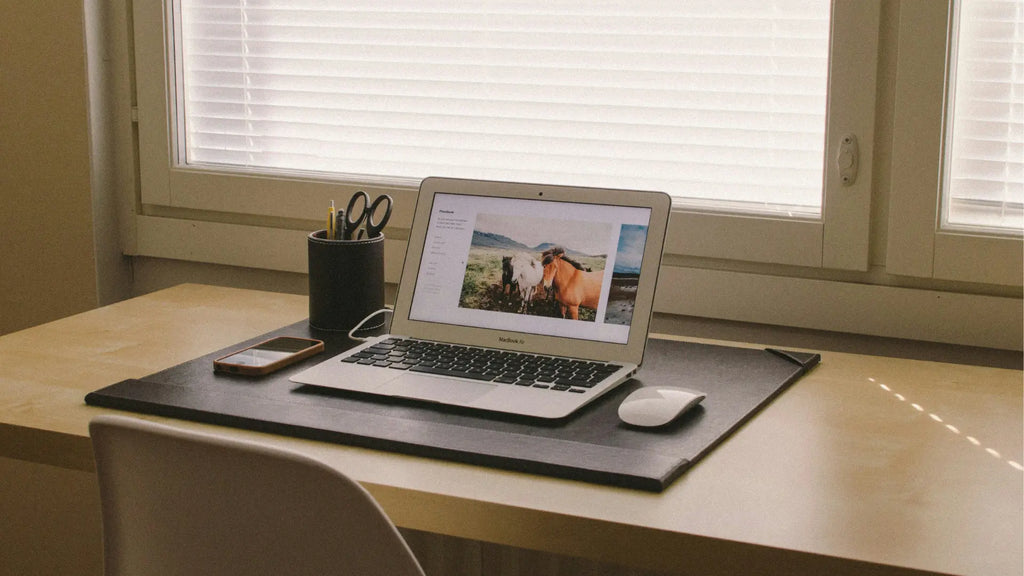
{"x": 525, "y": 299}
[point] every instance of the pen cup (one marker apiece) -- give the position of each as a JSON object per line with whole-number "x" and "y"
{"x": 346, "y": 281}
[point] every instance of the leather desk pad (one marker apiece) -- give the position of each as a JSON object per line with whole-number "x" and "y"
{"x": 592, "y": 445}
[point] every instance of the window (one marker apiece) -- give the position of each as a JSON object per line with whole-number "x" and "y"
{"x": 775, "y": 189}
{"x": 971, "y": 232}
{"x": 719, "y": 103}
{"x": 984, "y": 170}
{"x": 856, "y": 247}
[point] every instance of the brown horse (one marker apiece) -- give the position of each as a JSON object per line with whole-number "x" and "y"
{"x": 574, "y": 286}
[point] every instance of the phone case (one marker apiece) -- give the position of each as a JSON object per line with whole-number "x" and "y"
{"x": 231, "y": 368}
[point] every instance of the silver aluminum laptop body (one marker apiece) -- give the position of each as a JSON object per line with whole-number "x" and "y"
{"x": 559, "y": 271}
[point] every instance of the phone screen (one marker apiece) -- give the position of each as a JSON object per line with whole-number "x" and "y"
{"x": 268, "y": 352}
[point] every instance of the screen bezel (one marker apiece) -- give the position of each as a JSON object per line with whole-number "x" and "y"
{"x": 631, "y": 352}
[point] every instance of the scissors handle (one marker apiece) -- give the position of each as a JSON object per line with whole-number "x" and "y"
{"x": 353, "y": 217}
{"x": 366, "y": 216}
{"x": 374, "y": 227}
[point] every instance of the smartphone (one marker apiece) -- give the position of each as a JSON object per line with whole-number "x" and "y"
{"x": 268, "y": 356}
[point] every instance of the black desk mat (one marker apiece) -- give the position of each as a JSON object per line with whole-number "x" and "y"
{"x": 592, "y": 445}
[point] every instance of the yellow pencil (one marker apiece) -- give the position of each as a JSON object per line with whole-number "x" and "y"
{"x": 330, "y": 222}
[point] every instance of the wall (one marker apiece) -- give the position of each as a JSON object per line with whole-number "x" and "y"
{"x": 49, "y": 521}
{"x": 47, "y": 263}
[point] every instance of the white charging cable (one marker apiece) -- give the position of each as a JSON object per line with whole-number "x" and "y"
{"x": 351, "y": 333}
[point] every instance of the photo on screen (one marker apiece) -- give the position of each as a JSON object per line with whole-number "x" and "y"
{"x": 626, "y": 274}
{"x": 506, "y": 272}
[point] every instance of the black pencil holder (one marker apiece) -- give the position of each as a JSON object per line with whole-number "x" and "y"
{"x": 346, "y": 281}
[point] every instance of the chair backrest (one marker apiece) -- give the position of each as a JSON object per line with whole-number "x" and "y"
{"x": 180, "y": 502}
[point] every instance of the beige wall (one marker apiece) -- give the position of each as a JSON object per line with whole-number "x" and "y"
{"x": 47, "y": 263}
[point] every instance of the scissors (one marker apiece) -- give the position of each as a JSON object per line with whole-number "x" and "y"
{"x": 365, "y": 216}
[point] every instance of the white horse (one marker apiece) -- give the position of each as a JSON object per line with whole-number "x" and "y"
{"x": 528, "y": 273}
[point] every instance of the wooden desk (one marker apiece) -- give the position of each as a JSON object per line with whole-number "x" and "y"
{"x": 866, "y": 465}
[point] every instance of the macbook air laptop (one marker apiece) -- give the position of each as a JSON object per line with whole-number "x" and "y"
{"x": 518, "y": 298}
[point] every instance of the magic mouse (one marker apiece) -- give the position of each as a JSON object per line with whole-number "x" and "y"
{"x": 657, "y": 405}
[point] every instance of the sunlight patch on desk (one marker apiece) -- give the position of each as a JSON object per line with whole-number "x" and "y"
{"x": 938, "y": 419}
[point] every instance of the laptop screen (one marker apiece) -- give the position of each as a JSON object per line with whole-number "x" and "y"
{"x": 547, "y": 267}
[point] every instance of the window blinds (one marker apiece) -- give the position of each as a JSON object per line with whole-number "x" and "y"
{"x": 985, "y": 151}
{"x": 718, "y": 101}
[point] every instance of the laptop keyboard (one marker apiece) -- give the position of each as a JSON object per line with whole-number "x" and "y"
{"x": 484, "y": 364}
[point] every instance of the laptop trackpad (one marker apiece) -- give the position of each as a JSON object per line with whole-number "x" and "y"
{"x": 435, "y": 389}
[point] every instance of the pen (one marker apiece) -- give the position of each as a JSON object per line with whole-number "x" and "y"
{"x": 339, "y": 225}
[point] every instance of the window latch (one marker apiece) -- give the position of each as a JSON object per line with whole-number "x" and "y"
{"x": 847, "y": 159}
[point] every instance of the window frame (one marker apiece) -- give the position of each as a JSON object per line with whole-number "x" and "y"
{"x": 917, "y": 245}
{"x": 199, "y": 233}
{"x": 838, "y": 240}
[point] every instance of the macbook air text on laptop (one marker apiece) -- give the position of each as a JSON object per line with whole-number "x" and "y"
{"x": 518, "y": 298}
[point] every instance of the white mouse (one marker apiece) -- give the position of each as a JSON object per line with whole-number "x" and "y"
{"x": 657, "y": 405}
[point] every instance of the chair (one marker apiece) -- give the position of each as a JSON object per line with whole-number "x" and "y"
{"x": 179, "y": 502}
